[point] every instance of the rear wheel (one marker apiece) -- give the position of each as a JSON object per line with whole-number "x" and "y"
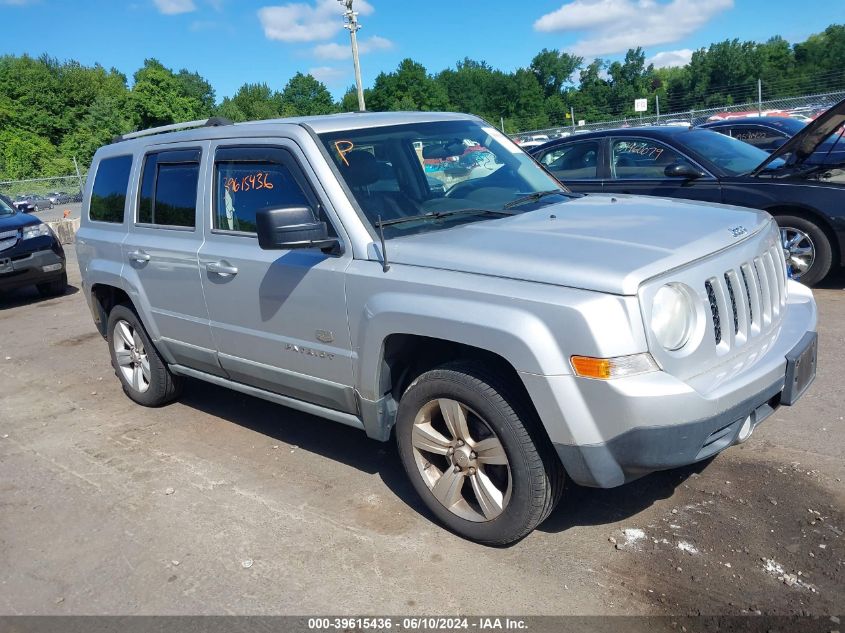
{"x": 808, "y": 252}
{"x": 475, "y": 454}
{"x": 143, "y": 374}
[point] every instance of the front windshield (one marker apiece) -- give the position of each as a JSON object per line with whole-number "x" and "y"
{"x": 732, "y": 156}
{"x": 438, "y": 173}
{"x": 5, "y": 209}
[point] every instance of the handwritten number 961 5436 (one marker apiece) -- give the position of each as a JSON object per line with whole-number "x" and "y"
{"x": 259, "y": 180}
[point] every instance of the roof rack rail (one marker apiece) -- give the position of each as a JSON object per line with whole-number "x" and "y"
{"x": 215, "y": 121}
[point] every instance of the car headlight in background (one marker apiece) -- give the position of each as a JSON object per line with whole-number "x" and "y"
{"x": 36, "y": 230}
{"x": 673, "y": 316}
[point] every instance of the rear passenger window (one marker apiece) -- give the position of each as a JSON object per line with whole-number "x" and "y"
{"x": 576, "y": 161}
{"x": 169, "y": 189}
{"x": 250, "y": 179}
{"x": 108, "y": 197}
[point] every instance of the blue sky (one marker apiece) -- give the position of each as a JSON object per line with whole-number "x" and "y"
{"x": 231, "y": 42}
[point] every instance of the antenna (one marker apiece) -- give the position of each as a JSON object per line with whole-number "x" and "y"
{"x": 384, "y": 265}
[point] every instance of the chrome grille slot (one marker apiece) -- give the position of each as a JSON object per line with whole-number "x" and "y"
{"x": 765, "y": 292}
{"x": 714, "y": 311}
{"x": 733, "y": 302}
{"x": 748, "y": 296}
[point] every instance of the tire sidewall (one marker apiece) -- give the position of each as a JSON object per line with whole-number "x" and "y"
{"x": 455, "y": 385}
{"x": 824, "y": 253}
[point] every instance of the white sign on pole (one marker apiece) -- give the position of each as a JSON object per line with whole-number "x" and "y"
{"x": 581, "y": 122}
{"x": 640, "y": 105}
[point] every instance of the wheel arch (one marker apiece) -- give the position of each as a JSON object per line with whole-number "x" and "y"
{"x": 104, "y": 297}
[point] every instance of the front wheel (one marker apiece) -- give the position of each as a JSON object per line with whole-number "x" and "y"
{"x": 807, "y": 249}
{"x": 476, "y": 455}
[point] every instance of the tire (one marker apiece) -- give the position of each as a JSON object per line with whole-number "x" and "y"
{"x": 524, "y": 490}
{"x": 814, "y": 237}
{"x": 56, "y": 288}
{"x": 153, "y": 387}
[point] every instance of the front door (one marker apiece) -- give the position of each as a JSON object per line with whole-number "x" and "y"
{"x": 637, "y": 166}
{"x": 278, "y": 318}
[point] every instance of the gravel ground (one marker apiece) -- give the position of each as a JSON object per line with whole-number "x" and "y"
{"x": 224, "y": 504}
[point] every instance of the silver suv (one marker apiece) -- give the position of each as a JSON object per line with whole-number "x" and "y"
{"x": 419, "y": 275}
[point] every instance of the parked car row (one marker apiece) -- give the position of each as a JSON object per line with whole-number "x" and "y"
{"x": 33, "y": 203}
{"x": 801, "y": 182}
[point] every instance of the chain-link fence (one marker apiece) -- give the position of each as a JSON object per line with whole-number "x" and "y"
{"x": 804, "y": 107}
{"x": 50, "y": 191}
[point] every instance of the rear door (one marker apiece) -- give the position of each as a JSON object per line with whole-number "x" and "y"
{"x": 278, "y": 317}
{"x": 577, "y": 164}
{"x": 638, "y": 164}
{"x": 160, "y": 253}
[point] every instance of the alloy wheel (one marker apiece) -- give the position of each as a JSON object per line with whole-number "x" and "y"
{"x": 461, "y": 460}
{"x": 799, "y": 250}
{"x": 132, "y": 359}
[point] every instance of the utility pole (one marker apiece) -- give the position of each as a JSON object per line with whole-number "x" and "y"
{"x": 759, "y": 97}
{"x": 572, "y": 117}
{"x": 78, "y": 175}
{"x": 657, "y": 104}
{"x": 352, "y": 26}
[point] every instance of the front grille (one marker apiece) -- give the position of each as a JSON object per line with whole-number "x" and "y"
{"x": 751, "y": 312}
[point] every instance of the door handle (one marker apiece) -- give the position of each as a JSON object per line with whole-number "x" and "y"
{"x": 139, "y": 256}
{"x": 221, "y": 268}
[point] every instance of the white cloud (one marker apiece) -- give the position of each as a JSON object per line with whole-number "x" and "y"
{"x": 302, "y": 22}
{"x": 174, "y": 7}
{"x": 671, "y": 59}
{"x": 328, "y": 74}
{"x": 334, "y": 50}
{"x": 613, "y": 26}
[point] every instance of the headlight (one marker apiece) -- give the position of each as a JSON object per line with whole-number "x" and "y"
{"x": 672, "y": 316}
{"x": 36, "y": 230}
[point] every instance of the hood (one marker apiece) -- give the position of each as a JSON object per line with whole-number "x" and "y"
{"x": 804, "y": 144}
{"x": 597, "y": 242}
{"x": 16, "y": 221}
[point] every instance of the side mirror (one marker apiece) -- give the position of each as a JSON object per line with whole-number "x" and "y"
{"x": 682, "y": 169}
{"x": 291, "y": 227}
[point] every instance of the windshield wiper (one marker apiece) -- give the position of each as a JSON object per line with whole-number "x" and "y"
{"x": 439, "y": 215}
{"x": 537, "y": 195}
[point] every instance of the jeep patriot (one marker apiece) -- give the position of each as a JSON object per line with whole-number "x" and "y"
{"x": 419, "y": 276}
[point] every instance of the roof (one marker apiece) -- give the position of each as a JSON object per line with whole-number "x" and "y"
{"x": 319, "y": 124}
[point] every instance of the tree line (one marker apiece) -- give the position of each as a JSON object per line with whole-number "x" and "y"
{"x": 52, "y": 111}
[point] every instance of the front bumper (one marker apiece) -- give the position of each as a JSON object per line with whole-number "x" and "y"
{"x": 610, "y": 432}
{"x": 25, "y": 269}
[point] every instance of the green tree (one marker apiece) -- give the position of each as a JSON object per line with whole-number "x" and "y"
{"x": 553, "y": 69}
{"x": 409, "y": 88}
{"x": 252, "y": 102}
{"x": 159, "y": 97}
{"x": 304, "y": 96}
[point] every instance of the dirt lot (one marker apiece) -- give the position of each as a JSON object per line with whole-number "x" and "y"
{"x": 225, "y": 504}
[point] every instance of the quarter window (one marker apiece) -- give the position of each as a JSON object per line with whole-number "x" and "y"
{"x": 248, "y": 180}
{"x": 108, "y": 197}
{"x": 639, "y": 159}
{"x": 576, "y": 161}
{"x": 169, "y": 189}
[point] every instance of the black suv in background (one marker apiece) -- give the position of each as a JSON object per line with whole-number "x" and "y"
{"x": 806, "y": 196}
{"x": 30, "y": 253}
